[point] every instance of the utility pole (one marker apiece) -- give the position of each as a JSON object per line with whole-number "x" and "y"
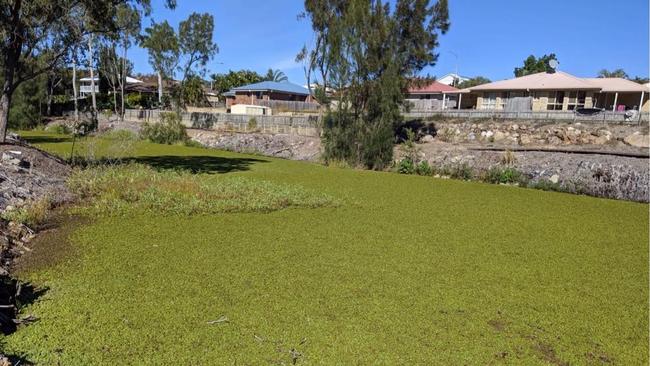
{"x": 456, "y": 76}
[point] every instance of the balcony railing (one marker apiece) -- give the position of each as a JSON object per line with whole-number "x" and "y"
{"x": 88, "y": 89}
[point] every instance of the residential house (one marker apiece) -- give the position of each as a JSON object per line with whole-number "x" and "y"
{"x": 432, "y": 96}
{"x": 452, "y": 79}
{"x": 85, "y": 85}
{"x": 267, "y": 91}
{"x": 560, "y": 91}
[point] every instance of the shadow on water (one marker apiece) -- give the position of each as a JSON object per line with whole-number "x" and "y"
{"x": 198, "y": 164}
{"x": 46, "y": 139}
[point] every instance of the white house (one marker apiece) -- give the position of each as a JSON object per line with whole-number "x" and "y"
{"x": 85, "y": 87}
{"x": 452, "y": 79}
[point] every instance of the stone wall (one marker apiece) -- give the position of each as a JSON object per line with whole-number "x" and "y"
{"x": 526, "y": 133}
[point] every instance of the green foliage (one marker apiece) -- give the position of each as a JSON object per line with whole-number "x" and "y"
{"x": 25, "y": 112}
{"x": 137, "y": 101}
{"x": 323, "y": 281}
{"x": 195, "y": 42}
{"x": 32, "y": 214}
{"x": 320, "y": 280}
{"x": 59, "y": 129}
{"x": 406, "y": 166}
{"x": 168, "y": 131}
{"x": 192, "y": 92}
{"x": 618, "y": 73}
{"x": 461, "y": 171}
{"x": 252, "y": 124}
{"x": 370, "y": 51}
{"x": 224, "y": 82}
{"x": 135, "y": 188}
{"x": 533, "y": 65}
{"x": 475, "y": 81}
{"x": 276, "y": 75}
{"x": 161, "y": 43}
{"x": 423, "y": 168}
{"x": 498, "y": 175}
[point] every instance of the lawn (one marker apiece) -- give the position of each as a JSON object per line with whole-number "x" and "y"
{"x": 405, "y": 270}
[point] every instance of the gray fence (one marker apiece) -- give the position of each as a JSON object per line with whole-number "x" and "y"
{"x": 605, "y": 116}
{"x": 288, "y": 105}
{"x": 298, "y": 125}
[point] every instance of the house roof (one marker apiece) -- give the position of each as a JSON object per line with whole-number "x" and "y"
{"x": 284, "y": 87}
{"x": 129, "y": 80}
{"x": 617, "y": 85}
{"x": 435, "y": 87}
{"x": 454, "y": 75}
{"x": 539, "y": 81}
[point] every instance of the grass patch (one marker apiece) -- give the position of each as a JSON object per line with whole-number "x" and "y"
{"x": 419, "y": 271}
{"x": 123, "y": 189}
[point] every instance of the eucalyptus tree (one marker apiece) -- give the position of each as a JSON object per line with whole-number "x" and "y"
{"x": 195, "y": 43}
{"x": 161, "y": 43}
{"x": 36, "y": 34}
{"x": 196, "y": 46}
{"x": 367, "y": 51}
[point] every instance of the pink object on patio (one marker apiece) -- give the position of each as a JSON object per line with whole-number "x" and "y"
{"x": 620, "y": 108}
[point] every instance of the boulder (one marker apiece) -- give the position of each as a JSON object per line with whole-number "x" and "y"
{"x": 499, "y": 136}
{"x": 426, "y": 139}
{"x": 637, "y": 140}
{"x": 554, "y": 178}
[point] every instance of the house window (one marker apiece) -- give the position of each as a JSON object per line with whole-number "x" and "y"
{"x": 259, "y": 95}
{"x": 555, "y": 101}
{"x": 489, "y": 101}
{"x": 576, "y": 100}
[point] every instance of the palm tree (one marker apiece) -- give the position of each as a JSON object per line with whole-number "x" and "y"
{"x": 276, "y": 75}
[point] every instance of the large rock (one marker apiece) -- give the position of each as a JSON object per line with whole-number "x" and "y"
{"x": 638, "y": 140}
{"x": 499, "y": 136}
{"x": 426, "y": 139}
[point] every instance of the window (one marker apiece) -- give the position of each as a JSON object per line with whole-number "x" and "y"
{"x": 576, "y": 100}
{"x": 555, "y": 101}
{"x": 489, "y": 101}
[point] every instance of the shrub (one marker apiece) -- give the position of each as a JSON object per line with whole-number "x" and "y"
{"x": 58, "y": 129}
{"x": 252, "y": 124}
{"x": 406, "y": 166}
{"x": 168, "y": 131}
{"x": 134, "y": 188}
{"x": 546, "y": 185}
{"x": 503, "y": 176}
{"x": 193, "y": 143}
{"x": 423, "y": 168}
{"x": 508, "y": 158}
{"x": 462, "y": 171}
{"x": 31, "y": 214}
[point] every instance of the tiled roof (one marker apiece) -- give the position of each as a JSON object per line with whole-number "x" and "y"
{"x": 540, "y": 81}
{"x": 617, "y": 85}
{"x": 435, "y": 87}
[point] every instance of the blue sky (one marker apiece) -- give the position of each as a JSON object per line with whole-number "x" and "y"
{"x": 490, "y": 38}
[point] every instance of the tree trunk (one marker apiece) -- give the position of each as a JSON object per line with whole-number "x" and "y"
{"x": 114, "y": 98}
{"x": 74, "y": 92}
{"x": 49, "y": 101}
{"x": 160, "y": 89}
{"x": 92, "y": 77}
{"x": 123, "y": 76}
{"x": 5, "y": 102}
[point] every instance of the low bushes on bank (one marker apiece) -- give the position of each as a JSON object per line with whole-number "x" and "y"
{"x": 135, "y": 187}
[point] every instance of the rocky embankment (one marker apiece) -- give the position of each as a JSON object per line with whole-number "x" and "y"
{"x": 27, "y": 175}
{"x": 277, "y": 145}
{"x": 523, "y": 133}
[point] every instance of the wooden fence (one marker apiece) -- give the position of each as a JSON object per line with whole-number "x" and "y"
{"x": 288, "y": 105}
